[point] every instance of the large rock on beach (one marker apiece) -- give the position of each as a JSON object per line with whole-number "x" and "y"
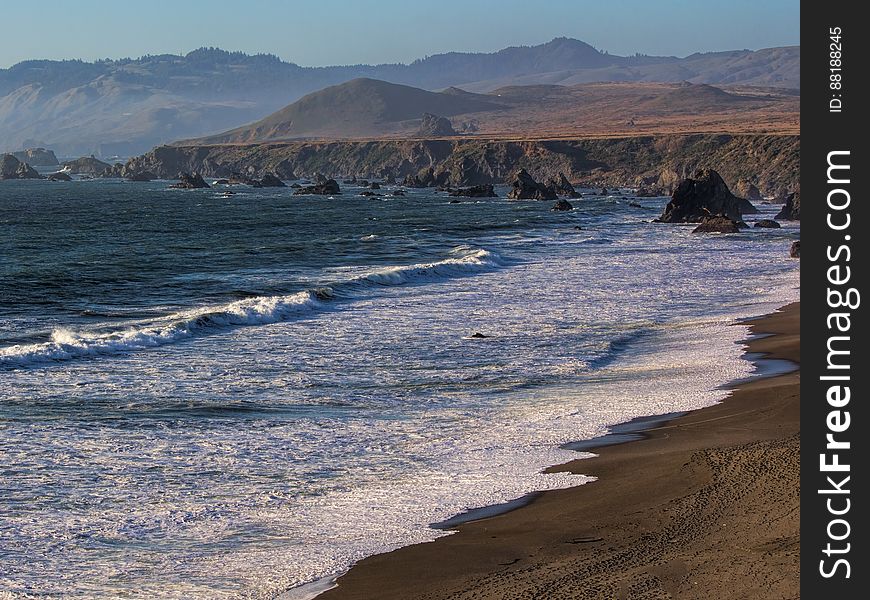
{"x": 701, "y": 196}
{"x": 524, "y": 187}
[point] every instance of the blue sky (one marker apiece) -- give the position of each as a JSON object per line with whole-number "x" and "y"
{"x": 327, "y": 32}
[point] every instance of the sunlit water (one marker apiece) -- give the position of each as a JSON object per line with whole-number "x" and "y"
{"x": 207, "y": 397}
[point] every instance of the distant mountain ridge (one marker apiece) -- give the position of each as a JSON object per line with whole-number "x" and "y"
{"x": 128, "y": 105}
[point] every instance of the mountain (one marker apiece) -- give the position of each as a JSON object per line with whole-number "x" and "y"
{"x": 359, "y": 108}
{"x": 126, "y": 106}
{"x": 368, "y": 108}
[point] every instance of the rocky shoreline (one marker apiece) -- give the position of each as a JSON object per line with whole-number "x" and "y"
{"x": 767, "y": 163}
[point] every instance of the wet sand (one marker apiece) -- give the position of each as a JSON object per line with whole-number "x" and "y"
{"x": 704, "y": 506}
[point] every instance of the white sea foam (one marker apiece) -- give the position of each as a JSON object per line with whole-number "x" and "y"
{"x": 67, "y": 344}
{"x": 249, "y": 462}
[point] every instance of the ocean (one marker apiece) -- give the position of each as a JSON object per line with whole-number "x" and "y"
{"x": 211, "y": 397}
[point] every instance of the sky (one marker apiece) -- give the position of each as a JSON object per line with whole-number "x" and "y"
{"x": 331, "y": 32}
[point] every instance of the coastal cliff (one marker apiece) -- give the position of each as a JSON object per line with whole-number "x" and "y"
{"x": 769, "y": 162}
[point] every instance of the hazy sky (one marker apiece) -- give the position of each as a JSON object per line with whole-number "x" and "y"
{"x": 328, "y": 32}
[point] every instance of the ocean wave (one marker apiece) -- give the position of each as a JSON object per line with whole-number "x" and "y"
{"x": 66, "y": 344}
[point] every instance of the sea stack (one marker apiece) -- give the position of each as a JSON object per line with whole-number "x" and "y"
{"x": 12, "y": 168}
{"x": 190, "y": 182}
{"x": 792, "y": 209}
{"x": 701, "y": 196}
{"x": 524, "y": 187}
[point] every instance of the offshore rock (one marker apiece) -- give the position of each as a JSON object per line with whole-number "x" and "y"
{"x": 767, "y": 224}
{"x": 12, "y": 168}
{"x": 563, "y": 187}
{"x": 701, "y": 196}
{"x": 717, "y": 224}
{"x": 792, "y": 209}
{"x": 326, "y": 188}
{"x": 190, "y": 182}
{"x": 524, "y": 187}
{"x": 476, "y": 191}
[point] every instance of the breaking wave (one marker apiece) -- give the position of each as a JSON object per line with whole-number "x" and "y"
{"x": 66, "y": 344}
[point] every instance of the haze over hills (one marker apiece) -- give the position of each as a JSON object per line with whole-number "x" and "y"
{"x": 368, "y": 108}
{"x": 127, "y": 106}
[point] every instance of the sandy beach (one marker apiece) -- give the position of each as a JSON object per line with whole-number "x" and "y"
{"x": 705, "y": 506}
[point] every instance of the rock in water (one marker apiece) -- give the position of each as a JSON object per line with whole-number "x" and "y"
{"x": 59, "y": 176}
{"x": 792, "y": 209}
{"x": 374, "y": 185}
{"x": 87, "y": 165}
{"x": 795, "y": 251}
{"x": 746, "y": 207}
{"x": 190, "y": 182}
{"x": 747, "y": 190}
{"x": 563, "y": 187}
{"x": 563, "y": 204}
{"x": 524, "y": 187}
{"x": 271, "y": 180}
{"x": 718, "y": 224}
{"x": 649, "y": 192}
{"x": 699, "y": 197}
{"x": 427, "y": 178}
{"x": 476, "y": 191}
{"x": 767, "y": 224}
{"x": 326, "y": 188}
{"x": 12, "y": 168}
{"x": 435, "y": 126}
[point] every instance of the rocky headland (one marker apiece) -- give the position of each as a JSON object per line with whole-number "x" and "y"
{"x": 656, "y": 164}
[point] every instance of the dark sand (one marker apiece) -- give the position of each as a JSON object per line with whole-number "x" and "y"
{"x": 706, "y": 507}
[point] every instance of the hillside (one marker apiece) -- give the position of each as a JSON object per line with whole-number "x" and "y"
{"x": 360, "y": 107}
{"x": 368, "y": 108}
{"x": 126, "y": 106}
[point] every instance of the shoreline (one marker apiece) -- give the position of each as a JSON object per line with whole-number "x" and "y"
{"x": 600, "y": 540}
